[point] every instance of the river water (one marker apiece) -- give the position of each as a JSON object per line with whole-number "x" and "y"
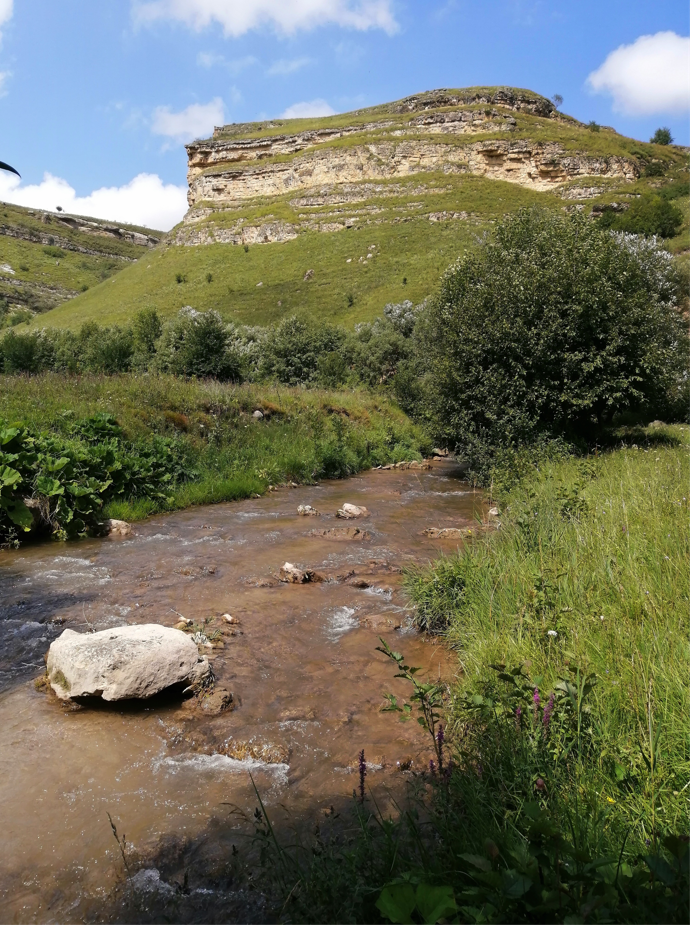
{"x": 301, "y": 663}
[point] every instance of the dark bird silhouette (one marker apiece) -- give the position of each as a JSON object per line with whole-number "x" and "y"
{"x": 5, "y": 166}
{"x": 59, "y": 208}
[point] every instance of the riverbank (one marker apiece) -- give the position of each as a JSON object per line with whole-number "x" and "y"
{"x": 565, "y": 743}
{"x": 213, "y": 442}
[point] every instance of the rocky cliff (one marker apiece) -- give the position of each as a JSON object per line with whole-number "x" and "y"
{"x": 500, "y": 134}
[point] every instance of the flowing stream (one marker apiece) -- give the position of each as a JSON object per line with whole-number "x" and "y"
{"x": 302, "y": 665}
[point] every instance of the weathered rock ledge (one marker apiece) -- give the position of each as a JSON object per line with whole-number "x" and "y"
{"x": 537, "y": 165}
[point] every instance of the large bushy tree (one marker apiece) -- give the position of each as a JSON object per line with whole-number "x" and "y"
{"x": 550, "y": 328}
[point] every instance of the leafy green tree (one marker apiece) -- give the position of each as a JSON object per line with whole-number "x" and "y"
{"x": 147, "y": 330}
{"x": 548, "y": 330}
{"x": 662, "y": 136}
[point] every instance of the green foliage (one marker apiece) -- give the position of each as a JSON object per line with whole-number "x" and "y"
{"x": 593, "y": 126}
{"x": 654, "y": 169}
{"x": 662, "y": 136}
{"x": 196, "y": 344}
{"x": 551, "y": 327}
{"x": 52, "y": 251}
{"x": 674, "y": 190}
{"x": 147, "y": 329}
{"x": 293, "y": 349}
{"x": 68, "y": 480}
{"x": 648, "y": 215}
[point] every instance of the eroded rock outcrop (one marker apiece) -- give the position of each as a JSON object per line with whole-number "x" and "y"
{"x": 338, "y": 164}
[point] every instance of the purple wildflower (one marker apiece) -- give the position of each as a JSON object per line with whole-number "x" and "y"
{"x": 547, "y": 712}
{"x": 440, "y": 746}
{"x": 362, "y": 767}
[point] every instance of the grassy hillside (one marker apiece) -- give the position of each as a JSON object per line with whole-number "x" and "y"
{"x": 414, "y": 226}
{"x": 47, "y": 258}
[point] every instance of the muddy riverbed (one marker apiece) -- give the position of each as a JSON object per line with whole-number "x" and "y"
{"x": 301, "y": 663}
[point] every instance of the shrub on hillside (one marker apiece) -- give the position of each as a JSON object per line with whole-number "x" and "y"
{"x": 197, "y": 344}
{"x": 662, "y": 136}
{"x": 649, "y": 215}
{"x": 548, "y": 330}
{"x": 292, "y": 350}
{"x": 380, "y": 348}
{"x": 107, "y": 350}
{"x": 28, "y": 352}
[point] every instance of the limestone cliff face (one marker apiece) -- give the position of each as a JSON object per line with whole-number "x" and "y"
{"x": 349, "y": 157}
{"x": 537, "y": 165}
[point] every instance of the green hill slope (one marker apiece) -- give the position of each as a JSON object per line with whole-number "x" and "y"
{"x": 47, "y": 258}
{"x": 335, "y": 217}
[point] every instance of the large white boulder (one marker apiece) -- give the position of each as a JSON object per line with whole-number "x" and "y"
{"x": 122, "y": 663}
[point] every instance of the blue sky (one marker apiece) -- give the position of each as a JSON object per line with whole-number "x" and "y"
{"x": 97, "y": 94}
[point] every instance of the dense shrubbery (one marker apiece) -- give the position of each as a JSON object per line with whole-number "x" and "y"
{"x": 647, "y": 215}
{"x": 200, "y": 344}
{"x": 548, "y": 331}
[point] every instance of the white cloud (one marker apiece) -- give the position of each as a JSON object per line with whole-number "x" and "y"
{"x": 308, "y": 110}
{"x": 5, "y": 12}
{"x": 647, "y": 77}
{"x": 145, "y": 200}
{"x": 287, "y": 66}
{"x": 287, "y": 16}
{"x": 196, "y": 121}
{"x": 4, "y": 77}
{"x": 235, "y": 66}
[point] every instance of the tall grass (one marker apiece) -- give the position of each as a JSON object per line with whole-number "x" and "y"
{"x": 590, "y": 568}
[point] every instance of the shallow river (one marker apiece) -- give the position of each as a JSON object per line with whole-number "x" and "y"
{"x": 302, "y": 665}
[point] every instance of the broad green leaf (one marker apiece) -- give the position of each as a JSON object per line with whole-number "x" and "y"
{"x": 18, "y": 512}
{"x": 396, "y": 903}
{"x": 435, "y": 902}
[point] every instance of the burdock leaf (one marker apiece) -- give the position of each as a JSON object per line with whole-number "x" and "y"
{"x": 396, "y": 903}
{"x": 435, "y": 903}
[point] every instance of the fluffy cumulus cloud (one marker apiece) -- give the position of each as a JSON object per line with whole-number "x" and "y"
{"x": 145, "y": 200}
{"x": 286, "y": 16}
{"x": 647, "y": 77}
{"x": 197, "y": 121}
{"x": 5, "y": 12}
{"x": 308, "y": 110}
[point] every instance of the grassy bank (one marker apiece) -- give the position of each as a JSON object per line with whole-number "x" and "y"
{"x": 590, "y": 568}
{"x": 213, "y": 447}
{"x": 558, "y": 789}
